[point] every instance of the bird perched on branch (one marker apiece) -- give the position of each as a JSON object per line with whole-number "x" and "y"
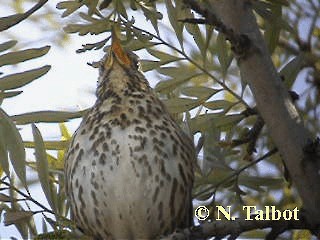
{"x": 129, "y": 167}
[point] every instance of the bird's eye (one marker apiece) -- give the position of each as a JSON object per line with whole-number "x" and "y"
{"x": 136, "y": 64}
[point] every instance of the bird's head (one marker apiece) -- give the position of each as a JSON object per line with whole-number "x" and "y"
{"x": 116, "y": 55}
{"x": 119, "y": 68}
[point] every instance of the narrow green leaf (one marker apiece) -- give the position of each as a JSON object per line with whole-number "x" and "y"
{"x": 212, "y": 152}
{"x": 42, "y": 165}
{"x": 120, "y": 8}
{"x": 282, "y": 2}
{"x": 168, "y": 85}
{"x": 148, "y": 65}
{"x": 262, "y": 8}
{"x": 202, "y": 122}
{"x": 64, "y": 132}
{"x": 137, "y": 44}
{"x": 49, "y": 145}
{"x": 5, "y": 198}
{"x": 17, "y": 80}
{"x": 199, "y": 92}
{"x": 195, "y": 32}
{"x": 92, "y": 6}
{"x": 4, "y": 161}
{"x": 219, "y": 104}
{"x": 16, "y": 207}
{"x": 178, "y": 76}
{"x": 69, "y": 6}
{"x": 47, "y": 116}
{"x": 291, "y": 70}
{"x": 224, "y": 55}
{"x": 105, "y": 4}
{"x": 150, "y": 12}
{"x": 14, "y": 217}
{"x": 44, "y": 226}
{"x": 174, "y": 21}
{"x": 179, "y": 105}
{"x": 163, "y": 56}
{"x": 6, "y": 22}
{"x": 6, "y": 45}
{"x": 9, "y": 94}
{"x": 23, "y": 55}
{"x": 14, "y": 146}
{"x": 256, "y": 181}
{"x": 94, "y": 28}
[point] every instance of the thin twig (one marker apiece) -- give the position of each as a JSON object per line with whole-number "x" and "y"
{"x": 237, "y": 172}
{"x": 27, "y": 197}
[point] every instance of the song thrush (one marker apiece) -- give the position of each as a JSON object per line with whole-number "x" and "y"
{"x": 129, "y": 168}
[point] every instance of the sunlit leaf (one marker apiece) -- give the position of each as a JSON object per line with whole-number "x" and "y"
{"x": 55, "y": 163}
{"x": 49, "y": 145}
{"x": 66, "y": 135}
{"x": 20, "y": 79}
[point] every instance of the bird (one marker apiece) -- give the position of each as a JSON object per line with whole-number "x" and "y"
{"x": 129, "y": 166}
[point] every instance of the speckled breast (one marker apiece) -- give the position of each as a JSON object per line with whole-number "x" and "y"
{"x": 129, "y": 170}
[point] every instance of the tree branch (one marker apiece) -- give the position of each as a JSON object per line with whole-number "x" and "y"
{"x": 9, "y": 21}
{"x": 234, "y": 228}
{"x": 273, "y": 101}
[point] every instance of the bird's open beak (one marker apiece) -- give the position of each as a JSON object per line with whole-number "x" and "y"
{"x": 117, "y": 51}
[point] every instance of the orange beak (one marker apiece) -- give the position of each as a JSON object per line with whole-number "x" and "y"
{"x": 117, "y": 51}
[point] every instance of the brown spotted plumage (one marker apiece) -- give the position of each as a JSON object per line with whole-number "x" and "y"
{"x": 129, "y": 168}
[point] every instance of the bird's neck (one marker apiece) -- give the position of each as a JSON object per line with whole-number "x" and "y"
{"x": 120, "y": 81}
